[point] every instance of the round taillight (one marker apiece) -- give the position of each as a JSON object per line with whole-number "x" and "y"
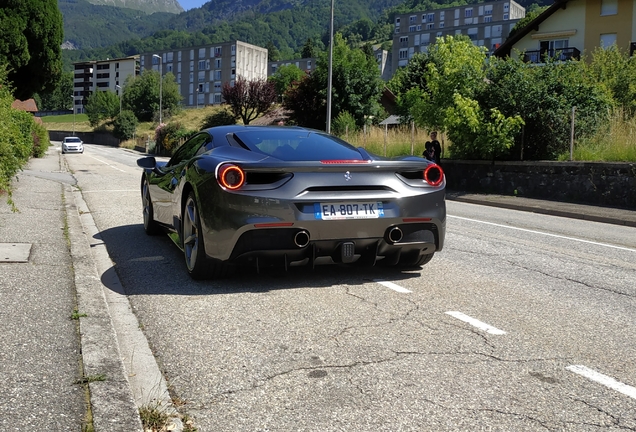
{"x": 231, "y": 177}
{"x": 434, "y": 175}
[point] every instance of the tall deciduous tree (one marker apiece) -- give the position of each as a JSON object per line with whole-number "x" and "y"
{"x": 60, "y": 98}
{"x": 101, "y": 105}
{"x": 141, "y": 95}
{"x": 284, "y": 77}
{"x": 356, "y": 88}
{"x": 30, "y": 44}
{"x": 249, "y": 99}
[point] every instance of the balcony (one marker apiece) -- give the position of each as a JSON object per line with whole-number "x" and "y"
{"x": 562, "y": 54}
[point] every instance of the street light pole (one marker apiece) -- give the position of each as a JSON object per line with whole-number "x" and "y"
{"x": 160, "y": 83}
{"x": 329, "y": 81}
{"x": 73, "y": 106}
{"x": 119, "y": 88}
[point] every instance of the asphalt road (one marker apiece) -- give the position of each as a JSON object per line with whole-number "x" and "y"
{"x": 524, "y": 322}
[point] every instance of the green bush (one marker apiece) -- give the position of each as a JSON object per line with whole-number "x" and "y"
{"x": 219, "y": 118}
{"x": 125, "y": 125}
{"x": 41, "y": 141}
{"x": 170, "y": 136}
{"x": 18, "y": 132}
{"x": 343, "y": 124}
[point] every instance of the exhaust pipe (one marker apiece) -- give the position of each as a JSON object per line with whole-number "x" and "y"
{"x": 395, "y": 235}
{"x": 301, "y": 239}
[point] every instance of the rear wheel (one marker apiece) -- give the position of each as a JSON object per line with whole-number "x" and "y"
{"x": 193, "y": 245}
{"x": 415, "y": 260}
{"x": 150, "y": 226}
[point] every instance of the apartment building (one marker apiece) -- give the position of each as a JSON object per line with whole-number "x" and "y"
{"x": 570, "y": 28}
{"x": 201, "y": 71}
{"x": 486, "y": 24}
{"x": 304, "y": 64}
{"x": 102, "y": 75}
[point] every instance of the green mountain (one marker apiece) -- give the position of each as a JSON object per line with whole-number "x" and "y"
{"x": 89, "y": 26}
{"x": 107, "y": 31}
{"x": 148, "y": 6}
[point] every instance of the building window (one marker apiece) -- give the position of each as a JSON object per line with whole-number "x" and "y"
{"x": 441, "y": 24}
{"x": 217, "y": 52}
{"x": 607, "y": 40}
{"x": 397, "y": 21}
{"x": 430, "y": 26}
{"x": 403, "y": 54}
{"x": 506, "y": 7}
{"x": 412, "y": 19}
{"x": 505, "y": 17}
{"x": 468, "y": 13}
{"x": 430, "y": 17}
{"x": 217, "y": 63}
{"x": 411, "y": 28}
{"x": 441, "y": 16}
{"x": 488, "y": 10}
{"x": 609, "y": 7}
{"x": 419, "y": 27}
{"x": 397, "y": 30}
{"x": 201, "y": 76}
{"x": 487, "y": 19}
{"x": 217, "y": 75}
{"x": 201, "y": 64}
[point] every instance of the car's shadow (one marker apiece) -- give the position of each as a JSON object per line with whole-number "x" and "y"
{"x": 153, "y": 265}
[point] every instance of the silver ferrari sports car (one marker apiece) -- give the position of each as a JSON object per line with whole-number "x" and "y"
{"x": 289, "y": 196}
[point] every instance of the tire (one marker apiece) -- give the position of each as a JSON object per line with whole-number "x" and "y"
{"x": 193, "y": 243}
{"x": 150, "y": 226}
{"x": 415, "y": 260}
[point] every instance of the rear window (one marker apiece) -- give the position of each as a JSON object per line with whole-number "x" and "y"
{"x": 297, "y": 145}
{"x": 72, "y": 140}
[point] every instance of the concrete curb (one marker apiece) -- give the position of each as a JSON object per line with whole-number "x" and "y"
{"x": 112, "y": 403}
{"x": 112, "y": 342}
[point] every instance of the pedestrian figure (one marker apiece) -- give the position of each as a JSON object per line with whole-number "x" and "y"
{"x": 433, "y": 149}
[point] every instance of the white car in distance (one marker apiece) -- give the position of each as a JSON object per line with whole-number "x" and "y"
{"x": 72, "y": 145}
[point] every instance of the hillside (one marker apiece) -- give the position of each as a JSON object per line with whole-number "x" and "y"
{"x": 89, "y": 26}
{"x": 105, "y": 31}
{"x": 147, "y": 6}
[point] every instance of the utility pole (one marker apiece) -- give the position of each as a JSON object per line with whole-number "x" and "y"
{"x": 160, "y": 83}
{"x": 329, "y": 81}
{"x": 119, "y": 88}
{"x": 73, "y": 106}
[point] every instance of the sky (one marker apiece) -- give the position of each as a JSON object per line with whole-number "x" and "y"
{"x": 189, "y": 4}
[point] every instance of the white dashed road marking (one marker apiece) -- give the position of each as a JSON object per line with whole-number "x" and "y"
{"x": 603, "y": 379}
{"x": 393, "y": 286}
{"x": 476, "y": 323}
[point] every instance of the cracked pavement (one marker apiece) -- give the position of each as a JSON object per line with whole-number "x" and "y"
{"x": 332, "y": 350}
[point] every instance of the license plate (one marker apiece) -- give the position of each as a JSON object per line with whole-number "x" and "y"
{"x": 348, "y": 210}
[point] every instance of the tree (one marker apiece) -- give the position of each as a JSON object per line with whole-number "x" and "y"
{"x": 284, "y": 77}
{"x": 356, "y": 88}
{"x": 141, "y": 95}
{"x": 124, "y": 125}
{"x": 101, "y": 105}
{"x": 309, "y": 49}
{"x": 30, "y": 44}
{"x": 272, "y": 52}
{"x": 249, "y": 99}
{"x": 60, "y": 98}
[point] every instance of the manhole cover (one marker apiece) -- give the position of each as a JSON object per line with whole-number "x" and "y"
{"x": 15, "y": 252}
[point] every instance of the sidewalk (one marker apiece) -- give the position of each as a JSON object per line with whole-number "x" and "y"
{"x": 575, "y": 211}
{"x": 40, "y": 359}
{"x": 53, "y": 379}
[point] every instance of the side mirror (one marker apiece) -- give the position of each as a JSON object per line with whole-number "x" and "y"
{"x": 148, "y": 162}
